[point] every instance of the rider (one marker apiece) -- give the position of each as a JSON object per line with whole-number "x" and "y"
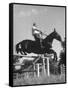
{"x": 37, "y": 33}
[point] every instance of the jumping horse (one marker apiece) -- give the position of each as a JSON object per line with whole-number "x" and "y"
{"x": 32, "y": 46}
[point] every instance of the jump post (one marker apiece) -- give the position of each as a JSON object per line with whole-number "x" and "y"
{"x": 48, "y": 68}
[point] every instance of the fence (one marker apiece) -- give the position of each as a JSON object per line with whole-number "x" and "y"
{"x": 37, "y": 65}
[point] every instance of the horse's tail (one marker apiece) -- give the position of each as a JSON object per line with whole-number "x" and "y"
{"x": 17, "y": 48}
{"x": 21, "y": 47}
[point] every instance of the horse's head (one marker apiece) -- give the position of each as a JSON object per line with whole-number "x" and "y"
{"x": 51, "y": 36}
{"x": 55, "y": 35}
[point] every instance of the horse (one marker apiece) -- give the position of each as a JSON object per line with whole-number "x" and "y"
{"x": 32, "y": 46}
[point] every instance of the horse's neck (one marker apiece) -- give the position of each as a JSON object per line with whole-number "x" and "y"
{"x": 49, "y": 39}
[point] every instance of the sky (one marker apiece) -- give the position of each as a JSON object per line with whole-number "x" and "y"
{"x": 46, "y": 19}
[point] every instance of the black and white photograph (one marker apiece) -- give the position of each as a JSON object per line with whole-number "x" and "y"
{"x": 38, "y": 44}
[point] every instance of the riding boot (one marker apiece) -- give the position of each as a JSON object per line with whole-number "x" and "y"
{"x": 41, "y": 45}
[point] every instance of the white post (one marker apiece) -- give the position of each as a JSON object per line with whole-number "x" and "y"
{"x": 38, "y": 70}
{"x": 27, "y": 76}
{"x": 61, "y": 69}
{"x": 34, "y": 70}
{"x": 48, "y": 70}
{"x": 17, "y": 76}
{"x": 44, "y": 65}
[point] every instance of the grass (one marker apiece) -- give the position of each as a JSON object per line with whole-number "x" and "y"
{"x": 43, "y": 79}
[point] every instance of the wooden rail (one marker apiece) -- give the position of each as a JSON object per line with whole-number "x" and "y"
{"x": 16, "y": 64}
{"x": 26, "y": 56}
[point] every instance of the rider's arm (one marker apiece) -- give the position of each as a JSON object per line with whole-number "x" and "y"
{"x": 32, "y": 31}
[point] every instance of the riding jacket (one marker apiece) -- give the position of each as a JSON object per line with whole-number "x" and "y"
{"x": 36, "y": 32}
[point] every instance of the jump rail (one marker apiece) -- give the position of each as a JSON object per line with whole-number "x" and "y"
{"x": 26, "y": 56}
{"x": 18, "y": 64}
{"x": 40, "y": 55}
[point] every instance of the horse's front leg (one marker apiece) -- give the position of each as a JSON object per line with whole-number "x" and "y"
{"x": 53, "y": 52}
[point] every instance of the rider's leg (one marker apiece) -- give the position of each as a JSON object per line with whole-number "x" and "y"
{"x": 41, "y": 43}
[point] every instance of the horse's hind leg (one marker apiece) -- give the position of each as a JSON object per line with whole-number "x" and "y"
{"x": 25, "y": 53}
{"x": 22, "y": 52}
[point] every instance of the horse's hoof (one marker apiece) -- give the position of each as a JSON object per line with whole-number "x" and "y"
{"x": 25, "y": 54}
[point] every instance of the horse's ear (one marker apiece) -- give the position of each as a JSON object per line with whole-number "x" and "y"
{"x": 54, "y": 30}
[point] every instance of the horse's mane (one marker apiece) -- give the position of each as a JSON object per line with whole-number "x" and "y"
{"x": 49, "y": 36}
